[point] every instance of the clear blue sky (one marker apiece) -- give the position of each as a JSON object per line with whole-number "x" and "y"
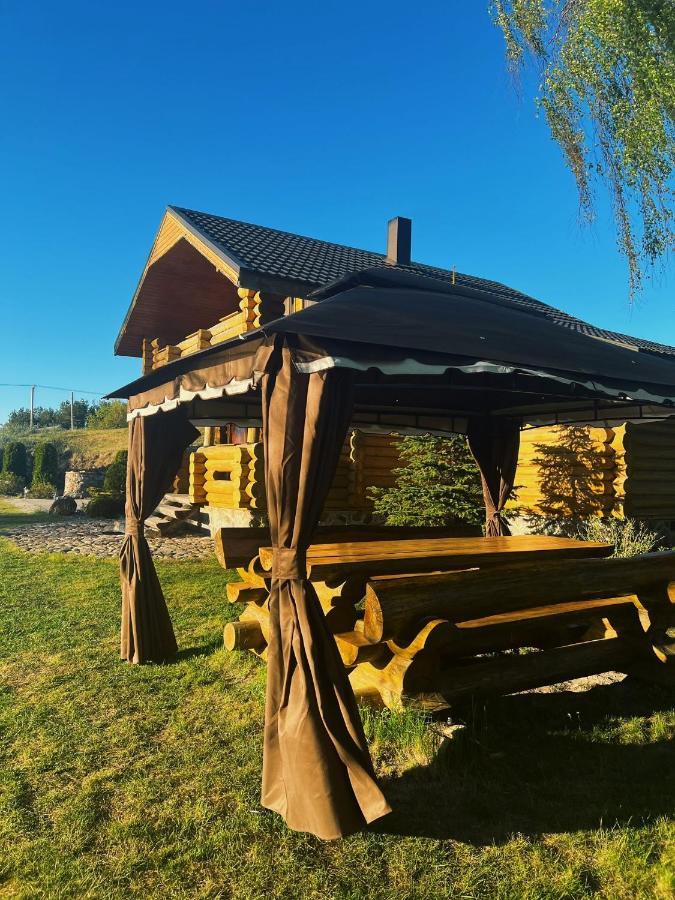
{"x": 322, "y": 118}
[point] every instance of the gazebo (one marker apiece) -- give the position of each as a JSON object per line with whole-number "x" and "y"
{"x": 384, "y": 350}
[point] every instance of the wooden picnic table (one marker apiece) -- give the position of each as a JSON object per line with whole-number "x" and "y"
{"x": 414, "y": 613}
{"x": 408, "y": 556}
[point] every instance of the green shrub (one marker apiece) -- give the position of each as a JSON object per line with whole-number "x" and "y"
{"x": 108, "y": 415}
{"x": 45, "y": 463}
{"x": 41, "y": 490}
{"x": 630, "y": 537}
{"x": 438, "y": 484}
{"x": 14, "y": 459}
{"x": 105, "y": 506}
{"x": 11, "y": 485}
{"x": 115, "y": 480}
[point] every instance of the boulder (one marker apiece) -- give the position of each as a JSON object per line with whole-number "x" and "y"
{"x": 78, "y": 482}
{"x": 63, "y": 506}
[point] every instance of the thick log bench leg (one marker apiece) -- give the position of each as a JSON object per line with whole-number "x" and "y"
{"x": 243, "y": 592}
{"x": 440, "y": 665}
{"x": 355, "y": 649}
{"x": 405, "y": 671}
{"x": 657, "y": 664}
{"x": 243, "y": 636}
{"x": 661, "y": 617}
{"x": 507, "y": 675}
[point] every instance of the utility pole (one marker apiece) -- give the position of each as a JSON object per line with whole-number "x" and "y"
{"x": 72, "y": 418}
{"x": 32, "y": 405}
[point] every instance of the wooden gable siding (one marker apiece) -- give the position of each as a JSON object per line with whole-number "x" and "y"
{"x": 185, "y": 286}
{"x": 181, "y": 292}
{"x": 187, "y": 299}
{"x": 171, "y": 231}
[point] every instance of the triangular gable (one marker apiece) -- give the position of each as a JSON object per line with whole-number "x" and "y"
{"x": 186, "y": 284}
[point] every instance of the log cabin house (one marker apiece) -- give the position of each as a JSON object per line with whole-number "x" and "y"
{"x": 209, "y": 279}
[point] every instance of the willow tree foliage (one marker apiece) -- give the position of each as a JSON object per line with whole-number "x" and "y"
{"x": 608, "y": 93}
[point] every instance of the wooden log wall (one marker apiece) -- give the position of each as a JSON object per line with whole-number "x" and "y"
{"x": 566, "y": 471}
{"x": 373, "y": 457}
{"x": 181, "y": 481}
{"x": 574, "y": 471}
{"x": 231, "y": 476}
{"x": 645, "y": 482}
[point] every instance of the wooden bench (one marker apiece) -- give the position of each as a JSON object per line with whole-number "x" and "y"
{"x": 585, "y": 616}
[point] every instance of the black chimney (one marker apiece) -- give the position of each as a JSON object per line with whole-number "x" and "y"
{"x": 399, "y": 231}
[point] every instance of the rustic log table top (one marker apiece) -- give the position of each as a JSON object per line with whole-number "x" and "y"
{"x": 426, "y": 554}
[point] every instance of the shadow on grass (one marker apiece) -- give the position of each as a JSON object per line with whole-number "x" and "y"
{"x": 538, "y": 763}
{"x": 203, "y": 650}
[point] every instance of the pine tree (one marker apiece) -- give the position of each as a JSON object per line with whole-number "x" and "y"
{"x": 45, "y": 464}
{"x": 14, "y": 459}
{"x": 437, "y": 484}
{"x": 115, "y": 480}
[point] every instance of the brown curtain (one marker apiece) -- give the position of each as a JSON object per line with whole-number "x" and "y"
{"x": 317, "y": 771}
{"x": 494, "y": 444}
{"x": 156, "y": 447}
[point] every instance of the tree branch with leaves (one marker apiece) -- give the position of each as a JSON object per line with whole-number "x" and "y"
{"x": 607, "y": 89}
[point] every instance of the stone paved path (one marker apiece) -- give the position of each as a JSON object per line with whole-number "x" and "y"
{"x": 102, "y": 538}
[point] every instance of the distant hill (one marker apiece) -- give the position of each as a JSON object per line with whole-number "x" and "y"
{"x": 82, "y": 448}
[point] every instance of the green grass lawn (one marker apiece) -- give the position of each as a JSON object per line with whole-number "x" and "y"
{"x": 123, "y": 781}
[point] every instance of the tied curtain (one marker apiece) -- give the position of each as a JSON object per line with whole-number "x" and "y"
{"x": 156, "y": 447}
{"x": 317, "y": 771}
{"x": 494, "y": 444}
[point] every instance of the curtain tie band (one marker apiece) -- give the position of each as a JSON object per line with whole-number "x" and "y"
{"x": 289, "y": 563}
{"x": 133, "y": 527}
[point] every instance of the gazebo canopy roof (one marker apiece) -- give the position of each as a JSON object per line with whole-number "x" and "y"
{"x": 427, "y": 349}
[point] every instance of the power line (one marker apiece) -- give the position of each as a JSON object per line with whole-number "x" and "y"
{"x": 49, "y": 387}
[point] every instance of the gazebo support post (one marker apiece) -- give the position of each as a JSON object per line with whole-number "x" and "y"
{"x": 317, "y": 771}
{"x": 156, "y": 447}
{"x": 494, "y": 444}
